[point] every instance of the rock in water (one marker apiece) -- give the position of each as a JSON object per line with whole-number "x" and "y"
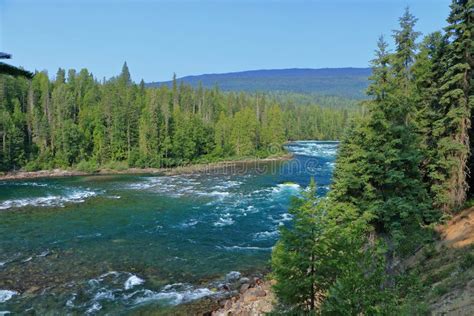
{"x": 232, "y": 276}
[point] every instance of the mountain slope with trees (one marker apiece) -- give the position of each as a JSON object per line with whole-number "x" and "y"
{"x": 342, "y": 82}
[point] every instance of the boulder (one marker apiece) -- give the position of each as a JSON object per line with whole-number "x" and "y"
{"x": 260, "y": 293}
{"x": 244, "y": 280}
{"x": 232, "y": 276}
{"x": 244, "y": 288}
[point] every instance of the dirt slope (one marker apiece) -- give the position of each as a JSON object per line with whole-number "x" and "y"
{"x": 446, "y": 267}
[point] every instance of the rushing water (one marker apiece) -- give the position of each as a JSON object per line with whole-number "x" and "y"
{"x": 98, "y": 244}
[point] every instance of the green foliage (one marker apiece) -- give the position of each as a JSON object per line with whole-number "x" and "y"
{"x": 444, "y": 96}
{"x": 295, "y": 259}
{"x": 88, "y": 166}
{"x": 116, "y": 165}
{"x": 32, "y": 166}
{"x": 75, "y": 118}
{"x": 399, "y": 165}
{"x": 467, "y": 261}
{"x": 323, "y": 260}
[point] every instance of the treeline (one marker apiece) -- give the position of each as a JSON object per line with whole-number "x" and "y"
{"x": 75, "y": 120}
{"x": 327, "y": 101}
{"x": 401, "y": 168}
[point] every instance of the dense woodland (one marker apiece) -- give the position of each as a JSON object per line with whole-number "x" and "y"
{"x": 77, "y": 121}
{"x": 401, "y": 169}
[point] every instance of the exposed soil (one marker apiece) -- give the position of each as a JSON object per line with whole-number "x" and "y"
{"x": 446, "y": 267}
{"x": 459, "y": 232}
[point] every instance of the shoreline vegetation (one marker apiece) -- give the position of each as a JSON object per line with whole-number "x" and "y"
{"x": 232, "y": 164}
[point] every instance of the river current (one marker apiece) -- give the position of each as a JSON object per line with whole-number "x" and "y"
{"x": 112, "y": 244}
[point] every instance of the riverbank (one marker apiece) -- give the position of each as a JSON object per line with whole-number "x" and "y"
{"x": 253, "y": 299}
{"x": 238, "y": 165}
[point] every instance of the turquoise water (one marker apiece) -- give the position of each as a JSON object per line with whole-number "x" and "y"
{"x": 98, "y": 244}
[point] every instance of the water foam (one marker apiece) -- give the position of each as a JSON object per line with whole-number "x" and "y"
{"x": 24, "y": 184}
{"x": 172, "y": 294}
{"x": 243, "y": 248}
{"x": 6, "y": 295}
{"x": 178, "y": 186}
{"x": 133, "y": 281}
{"x": 225, "y": 220}
{"x": 314, "y": 149}
{"x": 94, "y": 308}
{"x": 288, "y": 188}
{"x": 190, "y": 223}
{"x": 266, "y": 235}
{"x": 78, "y": 196}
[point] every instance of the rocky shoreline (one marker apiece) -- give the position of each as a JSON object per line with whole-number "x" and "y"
{"x": 254, "y": 298}
{"x": 216, "y": 167}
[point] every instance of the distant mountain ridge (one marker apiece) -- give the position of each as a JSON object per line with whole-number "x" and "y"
{"x": 344, "y": 82}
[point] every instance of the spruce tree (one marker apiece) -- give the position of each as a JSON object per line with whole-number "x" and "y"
{"x": 405, "y": 41}
{"x": 378, "y": 164}
{"x": 296, "y": 259}
{"x": 457, "y": 101}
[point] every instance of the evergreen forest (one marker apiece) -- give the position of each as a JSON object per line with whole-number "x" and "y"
{"x": 403, "y": 168}
{"x": 76, "y": 121}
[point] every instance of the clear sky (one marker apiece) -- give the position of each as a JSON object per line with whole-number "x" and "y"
{"x": 157, "y": 38}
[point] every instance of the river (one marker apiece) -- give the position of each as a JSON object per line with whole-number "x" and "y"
{"x": 112, "y": 244}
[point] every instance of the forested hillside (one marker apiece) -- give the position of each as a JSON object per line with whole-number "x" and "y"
{"x": 343, "y": 82}
{"x": 401, "y": 170}
{"x": 75, "y": 120}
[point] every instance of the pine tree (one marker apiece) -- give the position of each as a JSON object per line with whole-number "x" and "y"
{"x": 273, "y": 130}
{"x": 406, "y": 46}
{"x": 244, "y": 132}
{"x": 457, "y": 101}
{"x": 222, "y": 136}
{"x": 428, "y": 115}
{"x": 323, "y": 261}
{"x": 296, "y": 264}
{"x": 149, "y": 130}
{"x": 124, "y": 77}
{"x": 380, "y": 71}
{"x": 378, "y": 163}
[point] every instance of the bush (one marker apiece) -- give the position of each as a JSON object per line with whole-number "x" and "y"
{"x": 409, "y": 308}
{"x": 32, "y": 166}
{"x": 87, "y": 166}
{"x": 429, "y": 251}
{"x": 440, "y": 290}
{"x": 467, "y": 261}
{"x": 116, "y": 165}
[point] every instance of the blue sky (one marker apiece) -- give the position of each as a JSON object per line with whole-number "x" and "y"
{"x": 157, "y": 38}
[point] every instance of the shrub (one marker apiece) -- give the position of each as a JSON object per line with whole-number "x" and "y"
{"x": 429, "y": 251}
{"x": 441, "y": 289}
{"x": 87, "y": 166}
{"x": 116, "y": 165}
{"x": 467, "y": 261}
{"x": 32, "y": 166}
